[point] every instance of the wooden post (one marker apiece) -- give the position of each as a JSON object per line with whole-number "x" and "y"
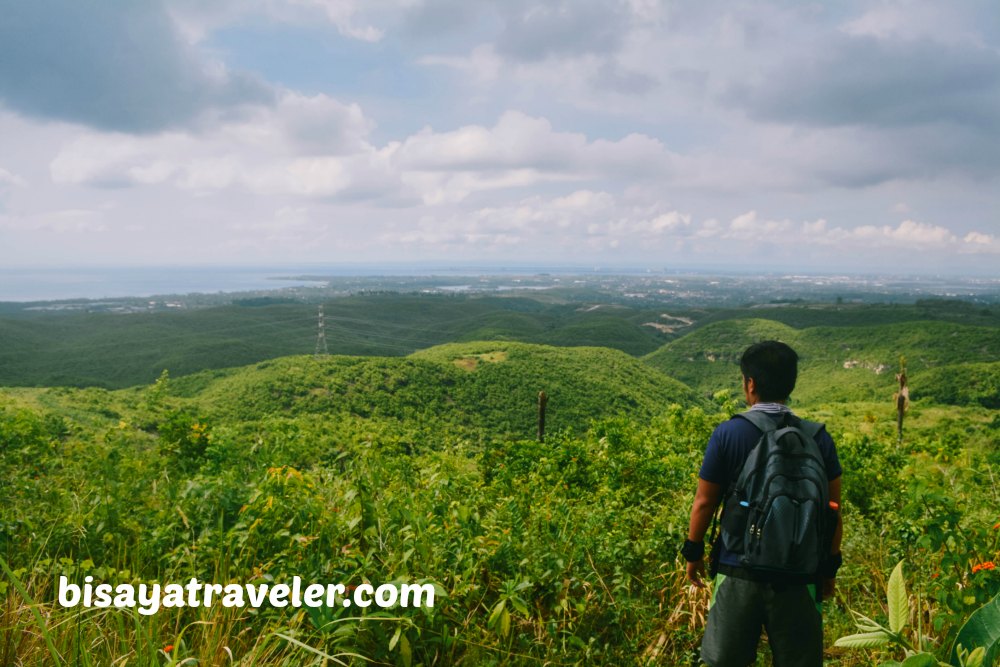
{"x": 542, "y": 400}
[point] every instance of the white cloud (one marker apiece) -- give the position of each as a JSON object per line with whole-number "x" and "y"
{"x": 355, "y": 19}
{"x": 10, "y": 178}
{"x": 443, "y": 187}
{"x": 635, "y": 129}
{"x": 318, "y": 147}
{"x": 909, "y": 231}
{"x": 516, "y": 141}
{"x": 908, "y": 234}
{"x": 911, "y": 21}
{"x": 312, "y": 146}
{"x": 583, "y": 221}
{"x": 744, "y": 222}
{"x": 584, "y": 200}
{"x": 344, "y": 15}
{"x": 519, "y": 151}
{"x": 979, "y": 238}
{"x": 979, "y": 243}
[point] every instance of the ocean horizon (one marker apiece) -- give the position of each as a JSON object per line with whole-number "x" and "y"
{"x": 57, "y": 284}
{"x": 26, "y": 285}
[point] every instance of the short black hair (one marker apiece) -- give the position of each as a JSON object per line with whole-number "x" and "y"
{"x": 773, "y": 366}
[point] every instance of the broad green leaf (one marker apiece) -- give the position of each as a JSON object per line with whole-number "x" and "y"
{"x": 863, "y": 640}
{"x": 899, "y": 607}
{"x": 975, "y": 659}
{"x": 981, "y": 630}
{"x": 920, "y": 660}
{"x": 504, "y": 623}
{"x": 395, "y": 637}
{"x": 866, "y": 624}
{"x": 495, "y": 614}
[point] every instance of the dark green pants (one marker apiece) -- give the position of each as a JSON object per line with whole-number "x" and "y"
{"x": 740, "y": 608}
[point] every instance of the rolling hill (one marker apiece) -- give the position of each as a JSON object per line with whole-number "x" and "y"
{"x": 837, "y": 363}
{"x": 487, "y": 387}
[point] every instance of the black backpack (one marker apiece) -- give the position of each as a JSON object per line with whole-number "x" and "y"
{"x": 776, "y": 516}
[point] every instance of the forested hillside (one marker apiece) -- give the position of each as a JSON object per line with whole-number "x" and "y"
{"x": 115, "y": 350}
{"x": 122, "y": 349}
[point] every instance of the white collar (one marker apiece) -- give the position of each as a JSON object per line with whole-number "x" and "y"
{"x": 771, "y": 408}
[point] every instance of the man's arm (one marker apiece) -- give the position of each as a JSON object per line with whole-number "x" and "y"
{"x": 706, "y": 499}
{"x": 838, "y": 532}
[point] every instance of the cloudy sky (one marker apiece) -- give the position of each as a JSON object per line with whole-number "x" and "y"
{"x": 846, "y": 136}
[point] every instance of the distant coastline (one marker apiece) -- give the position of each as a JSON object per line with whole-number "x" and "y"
{"x": 46, "y": 284}
{"x": 26, "y": 285}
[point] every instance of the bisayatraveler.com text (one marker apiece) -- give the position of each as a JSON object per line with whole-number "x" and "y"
{"x": 150, "y": 598}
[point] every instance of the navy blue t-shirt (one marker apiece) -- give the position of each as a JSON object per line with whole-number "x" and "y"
{"x": 729, "y": 447}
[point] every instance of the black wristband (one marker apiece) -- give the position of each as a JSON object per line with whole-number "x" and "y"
{"x": 693, "y": 551}
{"x": 830, "y": 566}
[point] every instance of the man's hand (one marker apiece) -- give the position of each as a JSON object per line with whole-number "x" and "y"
{"x": 696, "y": 572}
{"x": 829, "y": 585}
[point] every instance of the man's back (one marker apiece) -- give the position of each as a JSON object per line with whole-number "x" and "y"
{"x": 731, "y": 444}
{"x": 743, "y": 601}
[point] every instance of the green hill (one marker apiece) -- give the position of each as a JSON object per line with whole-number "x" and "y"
{"x": 801, "y": 314}
{"x": 581, "y": 383}
{"x": 837, "y": 363}
{"x": 487, "y": 387}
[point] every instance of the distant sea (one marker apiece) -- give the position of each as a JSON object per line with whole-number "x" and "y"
{"x": 92, "y": 283}
{"x": 51, "y": 284}
{"x": 58, "y": 284}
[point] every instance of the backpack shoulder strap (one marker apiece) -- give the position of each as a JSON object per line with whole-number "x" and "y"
{"x": 811, "y": 429}
{"x": 765, "y": 423}
{"x": 759, "y": 419}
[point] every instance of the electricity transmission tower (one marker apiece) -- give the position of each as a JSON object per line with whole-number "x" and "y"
{"x": 321, "y": 350}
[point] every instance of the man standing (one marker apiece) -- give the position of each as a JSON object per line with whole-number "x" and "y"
{"x": 745, "y": 597}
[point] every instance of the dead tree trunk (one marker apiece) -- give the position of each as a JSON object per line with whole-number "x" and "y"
{"x": 902, "y": 398}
